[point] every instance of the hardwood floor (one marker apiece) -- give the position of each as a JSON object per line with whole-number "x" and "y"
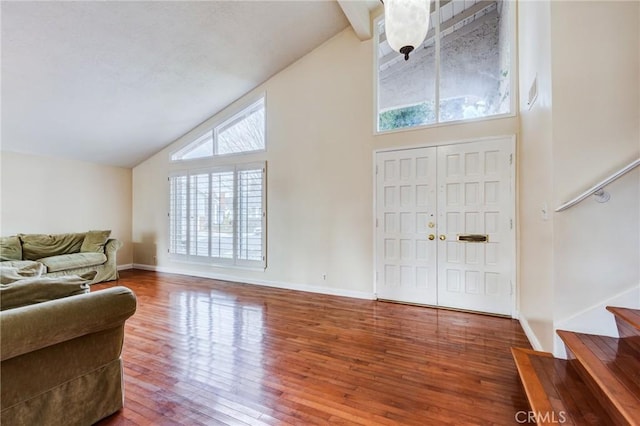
{"x": 206, "y": 352}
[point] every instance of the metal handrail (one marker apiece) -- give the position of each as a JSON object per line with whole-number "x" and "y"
{"x": 599, "y": 186}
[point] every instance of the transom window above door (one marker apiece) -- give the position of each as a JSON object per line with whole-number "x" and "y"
{"x": 462, "y": 70}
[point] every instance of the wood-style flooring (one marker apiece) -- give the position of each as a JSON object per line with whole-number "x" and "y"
{"x": 207, "y": 352}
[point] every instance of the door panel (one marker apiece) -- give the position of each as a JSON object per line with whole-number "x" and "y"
{"x": 475, "y": 198}
{"x": 450, "y": 192}
{"x": 406, "y": 205}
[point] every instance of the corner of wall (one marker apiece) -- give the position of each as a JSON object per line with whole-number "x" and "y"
{"x": 531, "y": 335}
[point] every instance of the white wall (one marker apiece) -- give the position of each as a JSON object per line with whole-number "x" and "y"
{"x": 320, "y": 178}
{"x": 584, "y": 125}
{"x": 536, "y": 175}
{"x": 52, "y": 195}
{"x": 596, "y": 130}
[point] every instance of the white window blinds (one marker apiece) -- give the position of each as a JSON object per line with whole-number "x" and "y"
{"x": 178, "y": 215}
{"x": 218, "y": 216}
{"x": 250, "y": 212}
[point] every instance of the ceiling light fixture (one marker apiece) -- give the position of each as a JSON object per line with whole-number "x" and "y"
{"x": 406, "y": 23}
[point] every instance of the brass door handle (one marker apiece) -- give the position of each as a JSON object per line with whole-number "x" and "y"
{"x": 432, "y": 237}
{"x": 443, "y": 237}
{"x": 473, "y": 238}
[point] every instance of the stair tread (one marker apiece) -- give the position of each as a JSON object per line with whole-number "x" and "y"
{"x": 556, "y": 390}
{"x": 613, "y": 364}
{"x": 632, "y": 316}
{"x": 628, "y": 320}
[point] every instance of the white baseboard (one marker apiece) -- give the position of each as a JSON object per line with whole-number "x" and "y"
{"x": 266, "y": 283}
{"x": 533, "y": 339}
{"x": 125, "y": 266}
{"x": 595, "y": 319}
{"x": 146, "y": 267}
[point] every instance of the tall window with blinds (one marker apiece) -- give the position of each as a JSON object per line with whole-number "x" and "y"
{"x": 217, "y": 193}
{"x": 219, "y": 216}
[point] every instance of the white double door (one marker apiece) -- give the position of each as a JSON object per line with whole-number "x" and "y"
{"x": 445, "y": 226}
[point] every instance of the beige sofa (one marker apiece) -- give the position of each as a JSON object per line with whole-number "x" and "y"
{"x": 61, "y": 359}
{"x": 62, "y": 254}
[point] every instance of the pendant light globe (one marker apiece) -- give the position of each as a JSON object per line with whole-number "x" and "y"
{"x": 406, "y": 23}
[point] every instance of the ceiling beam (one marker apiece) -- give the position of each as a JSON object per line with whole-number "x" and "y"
{"x": 358, "y": 14}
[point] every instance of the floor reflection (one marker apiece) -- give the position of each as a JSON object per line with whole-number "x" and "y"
{"x": 221, "y": 340}
{"x": 207, "y": 352}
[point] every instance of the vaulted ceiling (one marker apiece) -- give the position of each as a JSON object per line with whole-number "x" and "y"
{"x": 114, "y": 82}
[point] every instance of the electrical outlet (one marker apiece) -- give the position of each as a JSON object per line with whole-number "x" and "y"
{"x": 324, "y": 277}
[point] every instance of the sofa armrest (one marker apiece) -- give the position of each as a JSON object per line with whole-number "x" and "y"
{"x": 34, "y": 327}
{"x": 111, "y": 247}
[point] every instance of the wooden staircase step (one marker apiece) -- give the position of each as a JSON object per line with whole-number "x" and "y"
{"x": 556, "y": 392}
{"x": 611, "y": 369}
{"x": 627, "y": 320}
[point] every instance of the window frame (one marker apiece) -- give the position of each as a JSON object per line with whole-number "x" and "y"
{"x": 236, "y": 114}
{"x": 513, "y": 81}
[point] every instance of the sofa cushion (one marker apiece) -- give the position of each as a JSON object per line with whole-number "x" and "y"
{"x": 41, "y": 289}
{"x": 20, "y": 269}
{"x": 71, "y": 261}
{"x": 37, "y": 246}
{"x": 94, "y": 241}
{"x": 10, "y": 248}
